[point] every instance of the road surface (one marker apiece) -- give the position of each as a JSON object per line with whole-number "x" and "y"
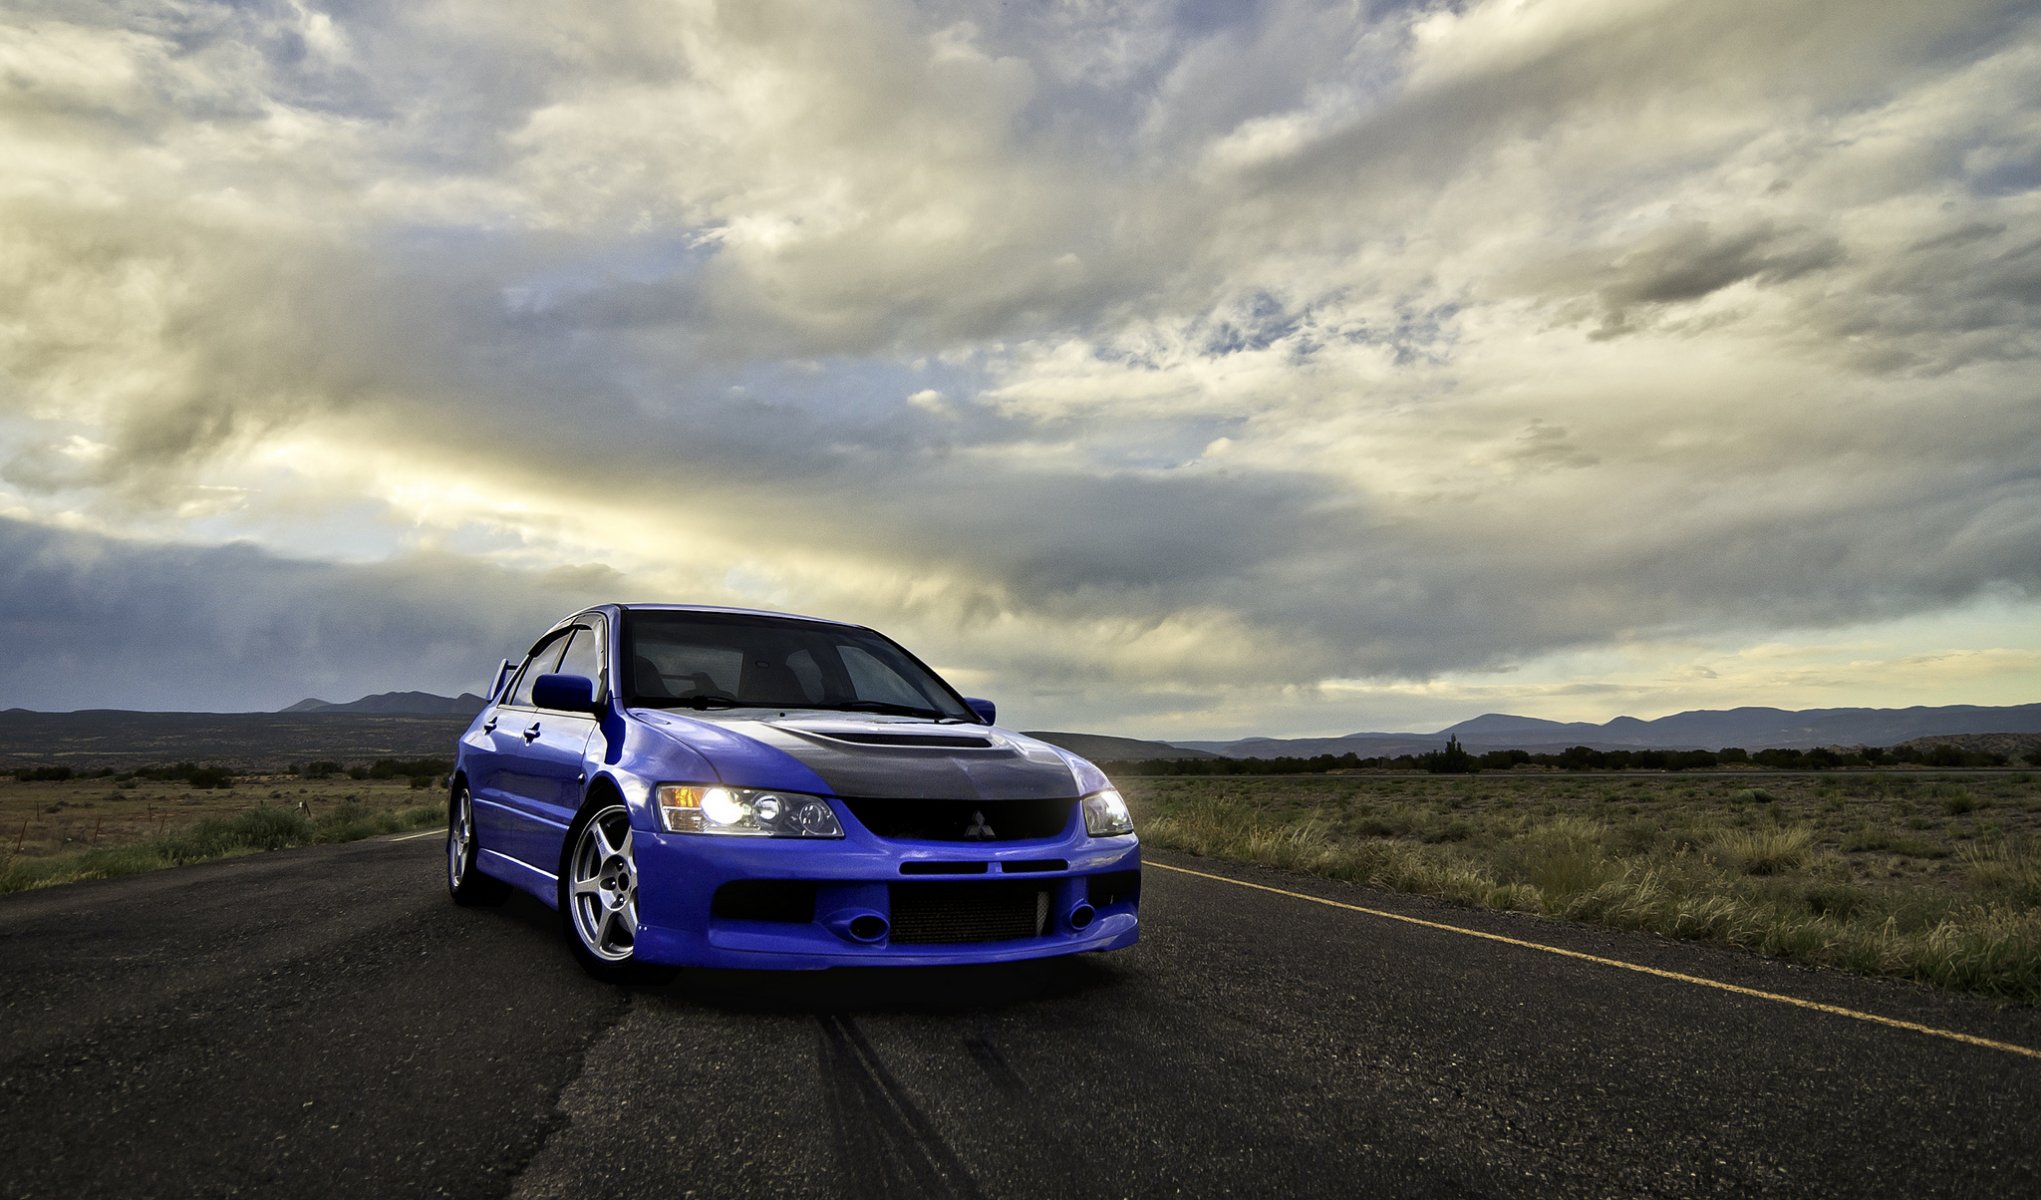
{"x": 323, "y": 1022}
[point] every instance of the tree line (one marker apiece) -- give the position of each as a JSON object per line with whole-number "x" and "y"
{"x": 422, "y": 772}
{"x": 1455, "y": 759}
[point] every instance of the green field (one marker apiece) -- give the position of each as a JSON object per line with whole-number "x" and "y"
{"x": 1933, "y": 877}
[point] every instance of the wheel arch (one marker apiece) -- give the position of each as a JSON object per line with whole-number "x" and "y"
{"x": 605, "y": 790}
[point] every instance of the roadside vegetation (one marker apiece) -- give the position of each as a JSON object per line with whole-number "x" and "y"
{"x": 1931, "y": 878}
{"x": 1455, "y": 759}
{"x": 59, "y": 826}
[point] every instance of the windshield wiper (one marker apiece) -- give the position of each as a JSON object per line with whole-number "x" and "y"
{"x": 883, "y": 706}
{"x": 695, "y": 702}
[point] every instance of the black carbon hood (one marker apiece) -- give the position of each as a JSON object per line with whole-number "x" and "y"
{"x": 917, "y": 760}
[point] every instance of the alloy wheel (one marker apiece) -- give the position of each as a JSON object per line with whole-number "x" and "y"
{"x": 603, "y": 886}
{"x": 460, "y": 839}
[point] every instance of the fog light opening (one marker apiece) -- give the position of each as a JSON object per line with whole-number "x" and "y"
{"x": 861, "y": 925}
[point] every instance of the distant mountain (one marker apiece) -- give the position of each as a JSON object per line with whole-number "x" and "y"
{"x": 1099, "y": 747}
{"x": 391, "y": 704}
{"x": 1702, "y": 729}
{"x": 243, "y": 741}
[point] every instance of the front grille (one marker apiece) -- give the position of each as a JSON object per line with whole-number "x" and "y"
{"x": 938, "y": 913}
{"x": 964, "y": 820}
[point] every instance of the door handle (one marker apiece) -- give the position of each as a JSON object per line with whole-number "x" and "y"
{"x": 532, "y": 733}
{"x": 489, "y": 726}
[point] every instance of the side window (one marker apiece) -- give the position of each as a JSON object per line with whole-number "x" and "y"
{"x": 583, "y": 657}
{"x": 540, "y": 663}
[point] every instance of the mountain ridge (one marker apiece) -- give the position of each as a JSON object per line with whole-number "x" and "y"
{"x": 393, "y": 704}
{"x": 1751, "y": 727}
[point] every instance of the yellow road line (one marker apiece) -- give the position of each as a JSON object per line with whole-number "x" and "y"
{"x": 412, "y": 837}
{"x": 1698, "y": 981}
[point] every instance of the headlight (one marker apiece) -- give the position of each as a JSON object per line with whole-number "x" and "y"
{"x": 1105, "y": 814}
{"x": 753, "y": 812}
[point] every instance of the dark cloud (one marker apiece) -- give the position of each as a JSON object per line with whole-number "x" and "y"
{"x": 95, "y": 622}
{"x": 1688, "y": 262}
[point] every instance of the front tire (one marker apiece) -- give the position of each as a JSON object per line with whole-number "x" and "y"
{"x": 599, "y": 896}
{"x": 464, "y": 883}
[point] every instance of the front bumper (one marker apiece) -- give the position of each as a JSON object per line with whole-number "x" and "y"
{"x": 1085, "y": 893}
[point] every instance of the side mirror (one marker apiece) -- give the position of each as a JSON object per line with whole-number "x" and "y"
{"x": 565, "y": 693}
{"x": 987, "y": 711}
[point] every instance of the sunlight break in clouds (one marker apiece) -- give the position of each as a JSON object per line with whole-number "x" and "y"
{"x": 1185, "y": 369}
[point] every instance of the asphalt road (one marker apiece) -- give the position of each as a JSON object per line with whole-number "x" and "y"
{"x": 323, "y": 1022}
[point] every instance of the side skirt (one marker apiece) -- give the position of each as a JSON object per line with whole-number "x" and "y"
{"x": 521, "y": 875}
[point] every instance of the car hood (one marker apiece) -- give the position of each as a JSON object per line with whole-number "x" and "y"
{"x": 883, "y": 757}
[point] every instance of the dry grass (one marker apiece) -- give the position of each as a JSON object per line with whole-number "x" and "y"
{"x": 93, "y": 828}
{"x": 1899, "y": 875}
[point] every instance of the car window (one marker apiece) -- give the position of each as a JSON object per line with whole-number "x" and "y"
{"x": 583, "y": 657}
{"x": 807, "y": 673}
{"x": 738, "y": 658}
{"x": 874, "y": 680}
{"x": 662, "y": 669}
{"x": 540, "y": 663}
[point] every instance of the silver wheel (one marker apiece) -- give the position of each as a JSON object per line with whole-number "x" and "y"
{"x": 602, "y": 886}
{"x": 460, "y": 840}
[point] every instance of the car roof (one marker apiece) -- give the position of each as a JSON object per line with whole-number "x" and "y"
{"x": 721, "y": 608}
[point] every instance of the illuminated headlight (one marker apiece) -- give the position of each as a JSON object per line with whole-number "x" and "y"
{"x": 1105, "y": 814}
{"x": 712, "y": 808}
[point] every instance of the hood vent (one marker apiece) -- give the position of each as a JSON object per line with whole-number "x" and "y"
{"x": 932, "y": 740}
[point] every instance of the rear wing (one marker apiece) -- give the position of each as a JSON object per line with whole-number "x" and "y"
{"x": 503, "y": 670}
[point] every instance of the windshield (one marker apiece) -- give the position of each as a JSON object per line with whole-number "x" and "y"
{"x": 735, "y": 660}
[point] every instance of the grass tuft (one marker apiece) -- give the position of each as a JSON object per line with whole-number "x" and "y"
{"x": 2009, "y": 871}
{"x": 1762, "y": 851}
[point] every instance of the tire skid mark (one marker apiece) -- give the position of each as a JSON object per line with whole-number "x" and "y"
{"x": 887, "y": 1146}
{"x": 1045, "y": 1132}
{"x": 994, "y": 1064}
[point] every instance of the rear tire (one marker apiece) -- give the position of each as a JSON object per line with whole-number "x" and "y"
{"x": 467, "y": 885}
{"x": 599, "y": 895}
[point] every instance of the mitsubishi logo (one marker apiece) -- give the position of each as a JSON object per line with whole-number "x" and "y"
{"x": 978, "y": 828}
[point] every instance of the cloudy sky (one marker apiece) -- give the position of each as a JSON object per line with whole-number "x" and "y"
{"x": 1177, "y": 369}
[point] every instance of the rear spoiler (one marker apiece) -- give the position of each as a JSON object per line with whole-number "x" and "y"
{"x": 503, "y": 670}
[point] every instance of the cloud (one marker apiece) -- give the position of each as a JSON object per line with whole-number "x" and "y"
{"x": 1143, "y": 358}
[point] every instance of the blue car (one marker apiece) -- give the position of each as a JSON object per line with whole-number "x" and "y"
{"x": 696, "y": 786}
